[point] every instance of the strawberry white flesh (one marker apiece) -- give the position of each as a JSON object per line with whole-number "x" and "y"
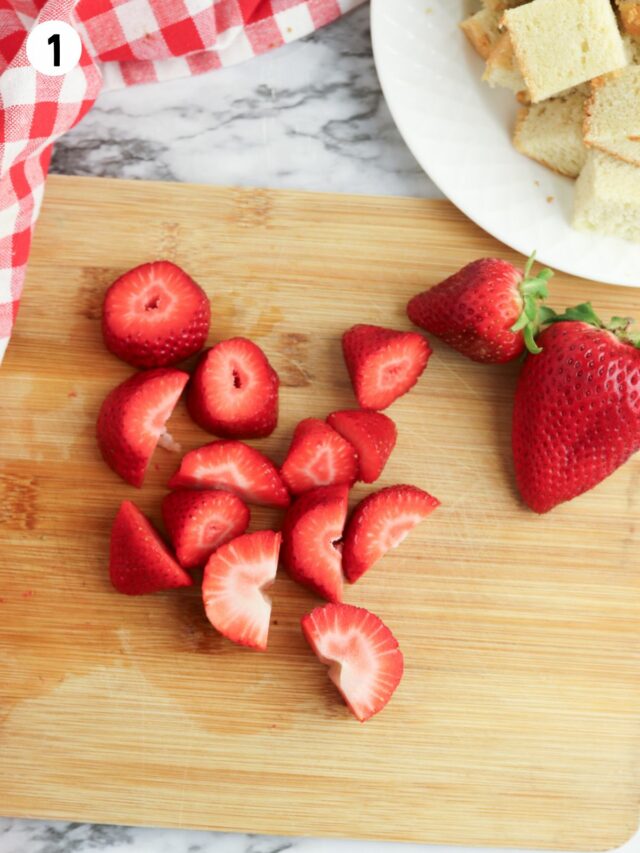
{"x": 312, "y": 527}
{"x": 364, "y": 660}
{"x": 383, "y": 363}
{"x": 318, "y": 456}
{"x": 235, "y": 579}
{"x": 380, "y": 522}
{"x": 132, "y": 420}
{"x": 198, "y": 522}
{"x": 235, "y": 467}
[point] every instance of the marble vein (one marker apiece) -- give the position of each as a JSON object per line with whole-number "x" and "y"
{"x": 308, "y": 116}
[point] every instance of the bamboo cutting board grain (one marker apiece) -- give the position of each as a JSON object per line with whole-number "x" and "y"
{"x": 518, "y": 720}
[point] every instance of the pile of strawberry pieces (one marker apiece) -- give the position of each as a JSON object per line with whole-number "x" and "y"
{"x": 155, "y": 316}
{"x": 576, "y": 419}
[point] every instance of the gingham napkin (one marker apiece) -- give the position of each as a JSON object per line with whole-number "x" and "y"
{"x": 124, "y": 42}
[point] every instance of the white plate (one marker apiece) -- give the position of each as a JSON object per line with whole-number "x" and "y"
{"x": 458, "y": 128}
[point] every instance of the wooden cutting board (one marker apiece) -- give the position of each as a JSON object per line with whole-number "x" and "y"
{"x": 518, "y": 720}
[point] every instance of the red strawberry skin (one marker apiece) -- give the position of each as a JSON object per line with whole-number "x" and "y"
{"x": 318, "y": 456}
{"x": 235, "y": 467}
{"x": 132, "y": 418}
{"x": 139, "y": 561}
{"x": 155, "y": 315}
{"x": 312, "y": 525}
{"x": 576, "y": 416}
{"x": 200, "y": 522}
{"x": 473, "y": 311}
{"x": 381, "y": 522}
{"x": 235, "y": 578}
{"x": 364, "y": 660}
{"x": 372, "y": 434}
{"x": 234, "y": 391}
{"x": 383, "y": 364}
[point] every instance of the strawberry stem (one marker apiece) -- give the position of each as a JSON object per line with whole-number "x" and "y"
{"x": 534, "y": 289}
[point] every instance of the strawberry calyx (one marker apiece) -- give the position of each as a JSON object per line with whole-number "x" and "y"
{"x": 584, "y": 313}
{"x": 533, "y": 289}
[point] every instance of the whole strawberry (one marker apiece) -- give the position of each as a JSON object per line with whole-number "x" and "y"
{"x": 577, "y": 408}
{"x": 489, "y": 310}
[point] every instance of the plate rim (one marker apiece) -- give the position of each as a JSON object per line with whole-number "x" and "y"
{"x": 456, "y": 198}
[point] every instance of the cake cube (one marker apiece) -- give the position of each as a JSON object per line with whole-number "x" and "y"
{"x": 630, "y": 15}
{"x": 551, "y": 132}
{"x": 607, "y": 197}
{"x": 612, "y": 118}
{"x": 501, "y": 68}
{"x": 560, "y": 44}
{"x": 482, "y": 31}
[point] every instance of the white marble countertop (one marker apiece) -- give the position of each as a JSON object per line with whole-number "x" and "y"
{"x": 308, "y": 116}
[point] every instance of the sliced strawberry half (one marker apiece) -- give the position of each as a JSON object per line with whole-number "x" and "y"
{"x": 132, "y": 420}
{"x": 364, "y": 660}
{"x": 383, "y": 364}
{"x": 234, "y": 391}
{"x": 139, "y": 561}
{"x": 318, "y": 456}
{"x": 235, "y": 578}
{"x": 312, "y": 531}
{"x": 381, "y": 522}
{"x": 200, "y": 522}
{"x": 234, "y": 467}
{"x": 155, "y": 315}
{"x": 371, "y": 433}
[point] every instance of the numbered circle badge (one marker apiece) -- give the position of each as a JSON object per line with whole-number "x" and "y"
{"x": 54, "y": 48}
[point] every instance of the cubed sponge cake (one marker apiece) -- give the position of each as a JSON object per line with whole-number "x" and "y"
{"x": 630, "y": 15}
{"x": 632, "y": 46}
{"x": 560, "y": 44}
{"x": 607, "y": 197}
{"x": 501, "y": 68}
{"x": 482, "y": 31}
{"x": 612, "y": 116}
{"x": 551, "y": 132}
{"x": 501, "y": 5}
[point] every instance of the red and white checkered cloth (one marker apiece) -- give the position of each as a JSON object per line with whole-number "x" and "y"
{"x": 124, "y": 42}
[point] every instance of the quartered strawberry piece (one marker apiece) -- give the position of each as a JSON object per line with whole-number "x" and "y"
{"x": 383, "y": 364}
{"x": 364, "y": 660}
{"x": 235, "y": 578}
{"x": 318, "y": 456}
{"x": 139, "y": 561}
{"x": 200, "y": 522}
{"x": 381, "y": 522}
{"x": 234, "y": 467}
{"x": 234, "y": 391}
{"x": 132, "y": 420}
{"x": 155, "y": 315}
{"x": 312, "y": 529}
{"x": 372, "y": 434}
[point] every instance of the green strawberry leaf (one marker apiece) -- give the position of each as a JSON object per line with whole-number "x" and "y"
{"x": 530, "y": 341}
{"x": 634, "y": 339}
{"x": 529, "y": 265}
{"x": 546, "y": 315}
{"x": 583, "y": 313}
